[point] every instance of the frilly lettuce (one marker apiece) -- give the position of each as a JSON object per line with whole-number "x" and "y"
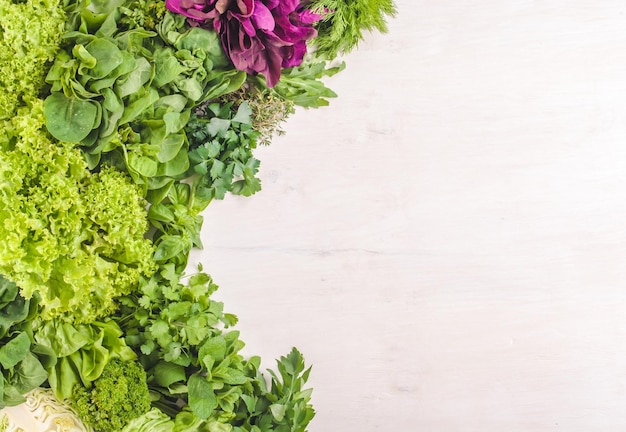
{"x": 29, "y": 35}
{"x": 75, "y": 238}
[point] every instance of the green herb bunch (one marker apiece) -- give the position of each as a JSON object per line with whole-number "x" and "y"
{"x": 176, "y": 329}
{"x": 221, "y": 144}
{"x": 268, "y": 110}
{"x": 344, "y": 22}
{"x": 220, "y": 160}
{"x": 193, "y": 360}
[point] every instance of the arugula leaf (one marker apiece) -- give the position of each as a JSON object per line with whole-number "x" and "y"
{"x": 303, "y": 84}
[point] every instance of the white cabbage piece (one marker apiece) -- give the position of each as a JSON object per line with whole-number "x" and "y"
{"x": 42, "y": 412}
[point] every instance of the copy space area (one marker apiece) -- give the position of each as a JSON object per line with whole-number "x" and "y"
{"x": 446, "y": 242}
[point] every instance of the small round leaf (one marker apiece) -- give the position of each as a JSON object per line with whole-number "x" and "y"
{"x": 69, "y": 119}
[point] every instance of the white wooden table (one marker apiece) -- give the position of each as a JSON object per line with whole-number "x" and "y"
{"x": 446, "y": 242}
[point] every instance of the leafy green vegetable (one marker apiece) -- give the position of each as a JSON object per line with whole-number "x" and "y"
{"x": 268, "y": 109}
{"x": 143, "y": 13}
{"x": 12, "y": 352}
{"x": 70, "y": 119}
{"x": 180, "y": 336}
{"x": 156, "y": 421}
{"x": 14, "y": 309}
{"x": 74, "y": 238}
{"x": 220, "y": 161}
{"x": 30, "y": 32}
{"x": 290, "y": 401}
{"x": 126, "y": 93}
{"x": 118, "y": 396}
{"x": 177, "y": 226}
{"x": 81, "y": 352}
{"x": 152, "y": 421}
{"x": 221, "y": 144}
{"x": 285, "y": 406}
{"x": 343, "y": 23}
{"x": 175, "y": 329}
{"x": 20, "y": 370}
{"x": 303, "y": 84}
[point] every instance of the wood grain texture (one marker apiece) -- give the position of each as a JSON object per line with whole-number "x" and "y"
{"x": 446, "y": 242}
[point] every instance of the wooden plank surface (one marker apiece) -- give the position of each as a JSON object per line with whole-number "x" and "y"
{"x": 446, "y": 242}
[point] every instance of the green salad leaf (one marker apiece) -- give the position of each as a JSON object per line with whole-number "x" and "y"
{"x": 71, "y": 119}
{"x": 20, "y": 370}
{"x": 126, "y": 93}
{"x": 81, "y": 352}
{"x": 14, "y": 309}
{"x": 30, "y": 32}
{"x": 221, "y": 142}
{"x": 74, "y": 238}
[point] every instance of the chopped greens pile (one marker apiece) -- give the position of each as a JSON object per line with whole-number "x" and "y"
{"x": 120, "y": 121}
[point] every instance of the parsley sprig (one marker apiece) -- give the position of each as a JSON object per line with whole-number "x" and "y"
{"x": 192, "y": 358}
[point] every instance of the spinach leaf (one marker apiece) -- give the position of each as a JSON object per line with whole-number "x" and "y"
{"x": 70, "y": 119}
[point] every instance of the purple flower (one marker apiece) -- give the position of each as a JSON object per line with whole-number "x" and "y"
{"x": 258, "y": 36}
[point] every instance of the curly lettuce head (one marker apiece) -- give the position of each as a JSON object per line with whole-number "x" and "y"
{"x": 30, "y": 32}
{"x": 74, "y": 237}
